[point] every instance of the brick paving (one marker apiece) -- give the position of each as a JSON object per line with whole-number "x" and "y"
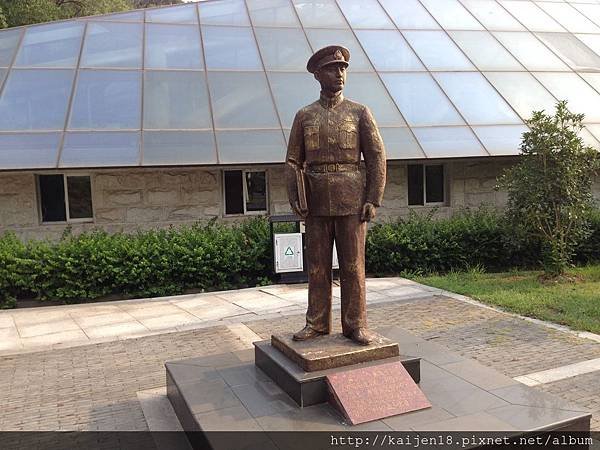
{"x": 94, "y": 387}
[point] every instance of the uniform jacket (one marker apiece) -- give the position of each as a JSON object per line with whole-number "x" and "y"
{"x": 326, "y": 141}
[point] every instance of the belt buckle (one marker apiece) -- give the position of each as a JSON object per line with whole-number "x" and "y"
{"x": 331, "y": 167}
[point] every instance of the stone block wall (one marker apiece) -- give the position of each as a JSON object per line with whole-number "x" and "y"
{"x": 132, "y": 199}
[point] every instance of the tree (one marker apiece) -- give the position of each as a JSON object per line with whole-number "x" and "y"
{"x": 549, "y": 190}
{"x": 151, "y": 3}
{"x": 26, "y": 12}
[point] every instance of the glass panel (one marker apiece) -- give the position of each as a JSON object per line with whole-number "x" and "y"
{"x": 9, "y": 40}
{"x": 272, "y": 13}
{"x": 592, "y": 11}
{"x": 492, "y": 15}
{"x": 256, "y": 191}
{"x": 107, "y": 100}
{"x": 415, "y": 184}
{"x": 581, "y": 97}
{"x": 111, "y": 44}
{"x": 365, "y": 14}
{"x": 434, "y": 183}
{"x": 79, "y": 190}
{"x": 52, "y": 198}
{"x": 437, "y": 51}
{"x": 175, "y": 14}
{"x": 501, "y": 140}
{"x": 234, "y": 192}
{"x": 522, "y": 91}
{"x": 420, "y": 99}
{"x": 591, "y": 40}
{"x": 409, "y": 14}
{"x": 173, "y": 47}
{"x": 292, "y": 91}
{"x": 594, "y": 130}
{"x": 322, "y": 38}
{"x": 448, "y": 142}
{"x": 169, "y": 148}
{"x": 388, "y": 50}
{"x": 251, "y": 146}
{"x": 451, "y": 15}
{"x": 400, "y": 144}
{"x": 35, "y": 99}
{"x": 224, "y": 12}
{"x": 319, "y": 13}
{"x": 55, "y": 45}
{"x": 529, "y": 51}
{"x": 589, "y": 139}
{"x": 475, "y": 98}
{"x": 593, "y": 79}
{"x": 572, "y": 51}
{"x": 366, "y": 88}
{"x": 100, "y": 150}
{"x": 29, "y": 151}
{"x": 531, "y": 16}
{"x": 230, "y": 48}
{"x": 2, "y": 73}
{"x": 283, "y": 48}
{"x": 569, "y": 17}
{"x": 485, "y": 51}
{"x": 131, "y": 16}
{"x": 241, "y": 100}
{"x": 176, "y": 100}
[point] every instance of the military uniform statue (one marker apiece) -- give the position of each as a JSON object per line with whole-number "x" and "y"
{"x": 323, "y": 165}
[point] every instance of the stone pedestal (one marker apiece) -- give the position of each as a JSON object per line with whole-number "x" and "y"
{"x": 333, "y": 350}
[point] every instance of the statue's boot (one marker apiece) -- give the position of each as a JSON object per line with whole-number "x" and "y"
{"x": 361, "y": 336}
{"x": 306, "y": 333}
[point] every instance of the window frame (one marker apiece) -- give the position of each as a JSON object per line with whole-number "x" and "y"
{"x": 444, "y": 202}
{"x": 245, "y": 192}
{"x": 66, "y": 199}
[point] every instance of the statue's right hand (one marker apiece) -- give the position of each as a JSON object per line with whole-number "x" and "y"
{"x": 300, "y": 212}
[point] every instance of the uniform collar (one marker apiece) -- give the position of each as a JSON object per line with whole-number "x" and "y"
{"x": 331, "y": 102}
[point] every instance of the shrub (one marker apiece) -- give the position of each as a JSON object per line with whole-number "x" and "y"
{"x": 549, "y": 189}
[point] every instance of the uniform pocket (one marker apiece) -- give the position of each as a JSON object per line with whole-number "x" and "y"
{"x": 348, "y": 135}
{"x": 311, "y": 137}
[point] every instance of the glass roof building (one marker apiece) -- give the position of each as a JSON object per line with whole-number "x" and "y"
{"x": 217, "y": 83}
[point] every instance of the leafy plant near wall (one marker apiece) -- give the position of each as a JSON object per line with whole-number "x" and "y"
{"x": 213, "y": 256}
{"x": 549, "y": 189}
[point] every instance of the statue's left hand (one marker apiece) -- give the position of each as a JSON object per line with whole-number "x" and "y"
{"x": 368, "y": 212}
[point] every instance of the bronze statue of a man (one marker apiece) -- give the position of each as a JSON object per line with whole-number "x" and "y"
{"x": 325, "y": 147}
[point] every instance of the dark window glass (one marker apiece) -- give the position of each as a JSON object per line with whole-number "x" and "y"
{"x": 234, "y": 192}
{"x": 80, "y": 197}
{"x": 415, "y": 184}
{"x": 256, "y": 187}
{"x": 434, "y": 183}
{"x": 52, "y": 196}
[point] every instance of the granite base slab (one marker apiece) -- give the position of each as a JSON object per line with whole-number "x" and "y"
{"x": 228, "y": 392}
{"x": 310, "y": 388}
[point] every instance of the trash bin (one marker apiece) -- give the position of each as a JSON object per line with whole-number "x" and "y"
{"x": 289, "y": 251}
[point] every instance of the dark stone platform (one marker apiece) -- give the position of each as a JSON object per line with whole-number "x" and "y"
{"x": 333, "y": 350}
{"x": 310, "y": 388}
{"x": 228, "y": 392}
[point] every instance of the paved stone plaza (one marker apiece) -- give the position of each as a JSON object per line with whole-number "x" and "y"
{"x": 85, "y": 384}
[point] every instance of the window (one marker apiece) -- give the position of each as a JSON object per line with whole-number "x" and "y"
{"x": 426, "y": 184}
{"x": 245, "y": 192}
{"x": 65, "y": 198}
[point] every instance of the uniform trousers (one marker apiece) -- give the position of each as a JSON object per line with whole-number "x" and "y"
{"x": 349, "y": 234}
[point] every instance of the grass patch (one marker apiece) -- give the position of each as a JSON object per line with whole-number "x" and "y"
{"x": 572, "y": 303}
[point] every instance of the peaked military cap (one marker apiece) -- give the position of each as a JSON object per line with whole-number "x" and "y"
{"x": 328, "y": 55}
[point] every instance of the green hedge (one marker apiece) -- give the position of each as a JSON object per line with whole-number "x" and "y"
{"x": 214, "y": 256}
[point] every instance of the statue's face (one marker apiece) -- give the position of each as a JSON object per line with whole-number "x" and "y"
{"x": 332, "y": 77}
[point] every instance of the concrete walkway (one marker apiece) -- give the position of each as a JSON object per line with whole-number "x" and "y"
{"x": 49, "y": 327}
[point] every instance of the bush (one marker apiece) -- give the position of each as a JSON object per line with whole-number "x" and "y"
{"x": 418, "y": 244}
{"x": 213, "y": 256}
{"x": 149, "y": 263}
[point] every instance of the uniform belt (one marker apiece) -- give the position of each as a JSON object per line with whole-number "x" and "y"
{"x": 332, "y": 167}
